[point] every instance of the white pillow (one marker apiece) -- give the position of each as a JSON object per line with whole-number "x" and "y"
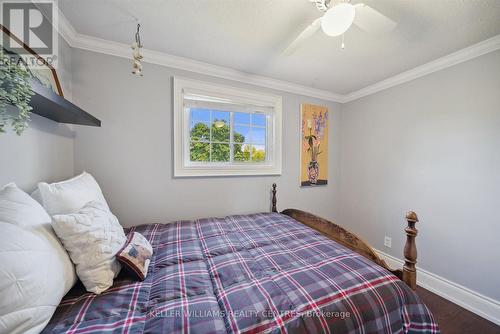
{"x": 70, "y": 195}
{"x": 92, "y": 236}
{"x": 35, "y": 271}
{"x": 37, "y": 196}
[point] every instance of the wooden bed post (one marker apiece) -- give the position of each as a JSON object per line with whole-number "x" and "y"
{"x": 410, "y": 251}
{"x": 274, "y": 198}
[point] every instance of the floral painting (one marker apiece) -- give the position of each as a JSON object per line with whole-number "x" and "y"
{"x": 314, "y": 148}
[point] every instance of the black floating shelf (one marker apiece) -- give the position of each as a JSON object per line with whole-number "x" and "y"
{"x": 48, "y": 104}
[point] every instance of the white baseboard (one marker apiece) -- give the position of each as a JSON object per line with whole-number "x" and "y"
{"x": 477, "y": 303}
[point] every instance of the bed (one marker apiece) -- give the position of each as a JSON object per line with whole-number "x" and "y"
{"x": 259, "y": 273}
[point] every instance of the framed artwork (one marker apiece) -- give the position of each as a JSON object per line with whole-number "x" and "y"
{"x": 45, "y": 74}
{"x": 314, "y": 145}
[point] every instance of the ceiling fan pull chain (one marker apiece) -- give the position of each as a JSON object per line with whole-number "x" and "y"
{"x": 343, "y": 44}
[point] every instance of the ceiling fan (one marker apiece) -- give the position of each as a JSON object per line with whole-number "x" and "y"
{"x": 338, "y": 17}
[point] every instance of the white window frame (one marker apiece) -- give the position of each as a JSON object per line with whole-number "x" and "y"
{"x": 183, "y": 167}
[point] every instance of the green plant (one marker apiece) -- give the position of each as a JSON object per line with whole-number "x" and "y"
{"x": 200, "y": 148}
{"x": 313, "y": 146}
{"x": 15, "y": 89}
{"x": 220, "y": 152}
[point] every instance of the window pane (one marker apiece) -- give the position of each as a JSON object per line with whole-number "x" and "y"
{"x": 210, "y": 136}
{"x": 258, "y": 135}
{"x": 220, "y": 116}
{"x": 199, "y": 152}
{"x": 241, "y": 152}
{"x": 241, "y": 134}
{"x": 199, "y": 131}
{"x": 220, "y": 152}
{"x": 259, "y": 119}
{"x": 241, "y": 118}
{"x": 258, "y": 153}
{"x": 220, "y": 127}
{"x": 202, "y": 115}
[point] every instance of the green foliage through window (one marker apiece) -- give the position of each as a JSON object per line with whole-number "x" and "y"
{"x": 211, "y": 143}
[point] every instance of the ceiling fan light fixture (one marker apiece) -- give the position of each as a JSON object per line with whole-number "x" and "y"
{"x": 219, "y": 124}
{"x": 338, "y": 19}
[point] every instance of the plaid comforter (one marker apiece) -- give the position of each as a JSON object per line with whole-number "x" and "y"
{"x": 260, "y": 273}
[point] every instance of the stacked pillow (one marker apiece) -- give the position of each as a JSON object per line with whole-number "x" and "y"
{"x": 92, "y": 236}
{"x": 88, "y": 230}
{"x": 69, "y": 196}
{"x": 36, "y": 271}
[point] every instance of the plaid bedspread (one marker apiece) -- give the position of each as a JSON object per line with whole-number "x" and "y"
{"x": 260, "y": 273}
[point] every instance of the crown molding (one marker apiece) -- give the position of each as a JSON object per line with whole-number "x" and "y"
{"x": 90, "y": 43}
{"x": 471, "y": 52}
{"x": 66, "y": 29}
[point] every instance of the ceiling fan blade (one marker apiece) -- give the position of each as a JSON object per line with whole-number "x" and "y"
{"x": 305, "y": 34}
{"x": 372, "y": 21}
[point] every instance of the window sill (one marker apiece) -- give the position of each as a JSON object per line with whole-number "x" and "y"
{"x": 230, "y": 171}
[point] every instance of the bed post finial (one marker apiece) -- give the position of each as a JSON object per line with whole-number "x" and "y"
{"x": 410, "y": 251}
{"x": 274, "y": 198}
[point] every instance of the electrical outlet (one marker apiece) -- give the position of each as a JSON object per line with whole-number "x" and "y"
{"x": 387, "y": 241}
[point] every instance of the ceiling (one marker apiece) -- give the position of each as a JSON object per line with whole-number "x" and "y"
{"x": 250, "y": 35}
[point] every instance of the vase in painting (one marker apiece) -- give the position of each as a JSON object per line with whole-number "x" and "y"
{"x": 313, "y": 172}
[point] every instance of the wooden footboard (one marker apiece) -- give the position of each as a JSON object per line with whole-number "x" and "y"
{"x": 350, "y": 240}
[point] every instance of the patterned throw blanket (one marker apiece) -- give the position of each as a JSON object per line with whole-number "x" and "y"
{"x": 260, "y": 273}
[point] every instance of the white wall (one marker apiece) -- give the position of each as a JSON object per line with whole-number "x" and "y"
{"x": 431, "y": 145}
{"x": 45, "y": 150}
{"x": 131, "y": 154}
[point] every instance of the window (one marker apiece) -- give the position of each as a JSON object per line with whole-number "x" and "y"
{"x": 221, "y": 130}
